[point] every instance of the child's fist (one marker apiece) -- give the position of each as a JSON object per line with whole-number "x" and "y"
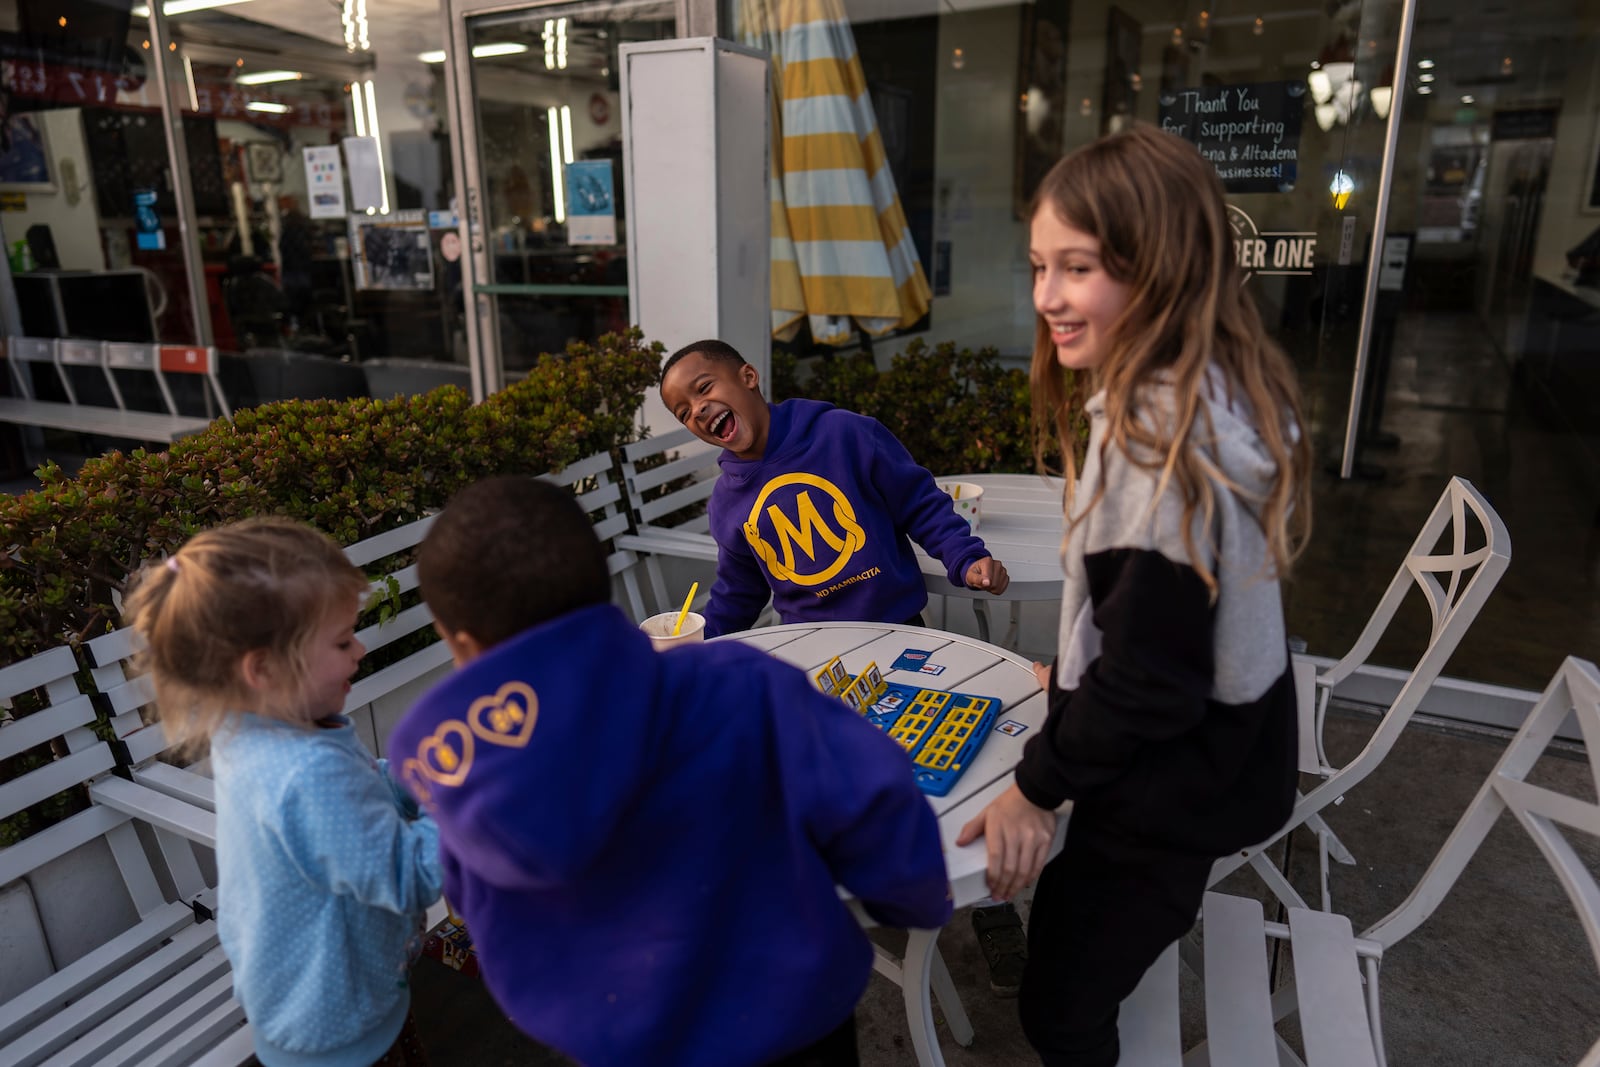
{"x": 989, "y": 575}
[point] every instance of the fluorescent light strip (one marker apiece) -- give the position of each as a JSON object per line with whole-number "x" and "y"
{"x": 183, "y": 7}
{"x": 482, "y": 51}
{"x": 555, "y": 166}
{"x": 188, "y": 77}
{"x": 268, "y": 77}
{"x": 372, "y": 124}
{"x": 268, "y": 107}
{"x": 566, "y": 133}
{"x": 358, "y": 109}
{"x": 504, "y": 48}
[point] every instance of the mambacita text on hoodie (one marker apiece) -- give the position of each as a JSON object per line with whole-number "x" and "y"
{"x": 824, "y": 521}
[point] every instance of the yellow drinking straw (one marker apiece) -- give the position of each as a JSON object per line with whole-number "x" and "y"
{"x": 684, "y": 614}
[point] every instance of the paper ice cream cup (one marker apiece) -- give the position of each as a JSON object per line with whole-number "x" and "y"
{"x": 659, "y": 629}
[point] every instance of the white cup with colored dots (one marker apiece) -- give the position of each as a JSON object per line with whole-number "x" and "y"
{"x": 659, "y": 629}
{"x": 967, "y": 498}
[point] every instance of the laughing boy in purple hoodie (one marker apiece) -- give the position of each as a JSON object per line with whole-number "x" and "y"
{"x": 816, "y": 505}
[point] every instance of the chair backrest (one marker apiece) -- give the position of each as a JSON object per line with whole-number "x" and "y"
{"x": 20, "y": 350}
{"x": 1543, "y": 812}
{"x": 82, "y": 365}
{"x": 139, "y": 362}
{"x": 1470, "y": 575}
{"x": 650, "y": 495}
{"x": 195, "y": 359}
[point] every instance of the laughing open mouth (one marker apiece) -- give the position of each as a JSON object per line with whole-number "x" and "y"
{"x": 723, "y": 426}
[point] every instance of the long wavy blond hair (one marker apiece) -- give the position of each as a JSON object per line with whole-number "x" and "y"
{"x": 261, "y": 584}
{"x": 1157, "y": 209}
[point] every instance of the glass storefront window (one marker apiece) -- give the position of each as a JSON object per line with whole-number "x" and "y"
{"x": 87, "y": 210}
{"x": 545, "y": 153}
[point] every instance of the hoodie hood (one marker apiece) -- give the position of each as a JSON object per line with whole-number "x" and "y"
{"x": 527, "y": 713}
{"x": 1235, "y": 445}
{"x": 792, "y": 424}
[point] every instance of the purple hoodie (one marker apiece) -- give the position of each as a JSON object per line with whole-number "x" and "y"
{"x": 645, "y": 846}
{"x": 824, "y": 521}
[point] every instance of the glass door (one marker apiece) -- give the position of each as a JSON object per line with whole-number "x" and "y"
{"x": 534, "y": 90}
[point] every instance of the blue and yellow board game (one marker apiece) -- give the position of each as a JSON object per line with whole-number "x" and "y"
{"x": 942, "y": 731}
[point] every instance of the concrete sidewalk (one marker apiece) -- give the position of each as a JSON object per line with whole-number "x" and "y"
{"x": 1501, "y": 975}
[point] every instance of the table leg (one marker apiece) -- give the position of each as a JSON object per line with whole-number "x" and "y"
{"x": 944, "y": 991}
{"x": 916, "y": 974}
{"x": 981, "y": 613}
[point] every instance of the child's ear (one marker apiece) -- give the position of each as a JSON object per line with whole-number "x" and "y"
{"x": 259, "y": 671}
{"x": 750, "y": 377}
{"x": 464, "y": 648}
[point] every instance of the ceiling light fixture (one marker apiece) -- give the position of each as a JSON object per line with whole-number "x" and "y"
{"x": 267, "y": 106}
{"x": 268, "y": 77}
{"x": 183, "y": 7}
{"x": 482, "y": 51}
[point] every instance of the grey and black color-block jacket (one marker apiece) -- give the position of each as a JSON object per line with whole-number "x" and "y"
{"x": 1172, "y": 717}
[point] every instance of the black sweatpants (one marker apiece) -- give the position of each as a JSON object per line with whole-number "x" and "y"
{"x": 1103, "y": 911}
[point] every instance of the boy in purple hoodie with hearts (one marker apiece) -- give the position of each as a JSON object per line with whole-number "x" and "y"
{"x": 646, "y": 846}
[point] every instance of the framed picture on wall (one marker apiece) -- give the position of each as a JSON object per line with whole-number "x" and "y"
{"x": 25, "y": 155}
{"x": 263, "y": 161}
{"x": 1041, "y": 97}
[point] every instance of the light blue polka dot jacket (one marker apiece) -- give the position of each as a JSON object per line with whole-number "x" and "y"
{"x": 324, "y": 872}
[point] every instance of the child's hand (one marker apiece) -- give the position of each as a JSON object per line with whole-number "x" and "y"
{"x": 1042, "y": 672}
{"x": 1018, "y": 835}
{"x": 988, "y": 574}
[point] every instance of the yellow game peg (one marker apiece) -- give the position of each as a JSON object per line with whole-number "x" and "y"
{"x": 684, "y": 614}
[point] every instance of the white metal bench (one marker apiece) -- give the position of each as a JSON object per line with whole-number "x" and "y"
{"x": 158, "y": 991}
{"x": 1455, "y": 581}
{"x": 1335, "y": 988}
{"x": 651, "y": 501}
{"x": 110, "y": 359}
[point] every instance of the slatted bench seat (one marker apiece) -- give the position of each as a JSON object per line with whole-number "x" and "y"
{"x": 153, "y": 991}
{"x": 111, "y": 360}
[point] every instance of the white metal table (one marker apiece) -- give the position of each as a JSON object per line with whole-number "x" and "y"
{"x": 970, "y": 666}
{"x": 1021, "y": 524}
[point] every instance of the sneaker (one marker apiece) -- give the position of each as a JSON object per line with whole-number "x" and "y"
{"x": 1004, "y": 944}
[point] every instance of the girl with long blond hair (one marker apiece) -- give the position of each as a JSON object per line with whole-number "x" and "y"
{"x": 1171, "y": 722}
{"x": 324, "y": 865}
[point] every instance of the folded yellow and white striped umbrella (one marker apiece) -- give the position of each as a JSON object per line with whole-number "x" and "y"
{"x": 842, "y": 255}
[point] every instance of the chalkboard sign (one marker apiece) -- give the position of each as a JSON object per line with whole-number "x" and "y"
{"x": 1523, "y": 124}
{"x": 1250, "y": 133}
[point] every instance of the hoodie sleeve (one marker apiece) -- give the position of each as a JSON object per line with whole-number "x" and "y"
{"x": 740, "y": 590}
{"x": 342, "y": 830}
{"x": 919, "y": 507}
{"x": 862, "y": 808}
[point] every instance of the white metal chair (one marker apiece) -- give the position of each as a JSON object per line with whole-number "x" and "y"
{"x": 1455, "y": 581}
{"x": 1335, "y": 988}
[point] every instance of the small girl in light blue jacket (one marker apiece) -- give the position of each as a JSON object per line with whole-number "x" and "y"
{"x": 324, "y": 866}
